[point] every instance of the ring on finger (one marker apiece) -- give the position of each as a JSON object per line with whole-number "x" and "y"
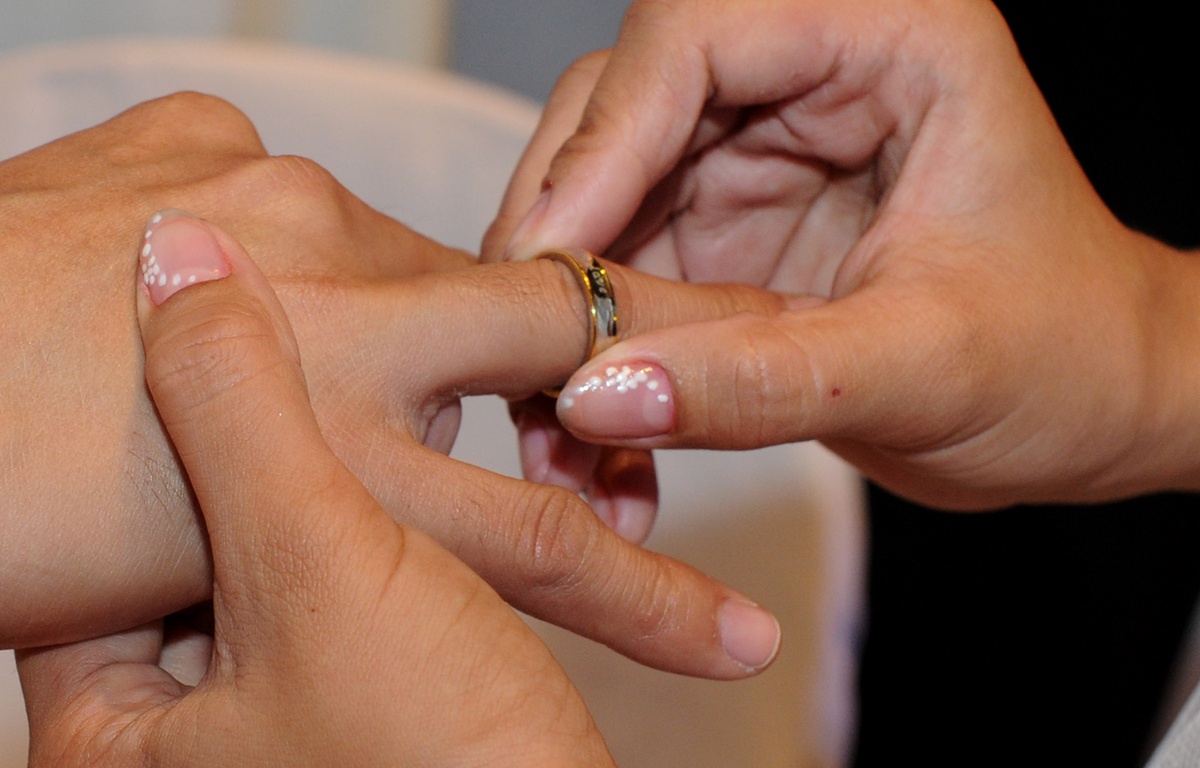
{"x": 597, "y": 290}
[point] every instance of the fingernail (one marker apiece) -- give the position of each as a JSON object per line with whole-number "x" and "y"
{"x": 633, "y": 519}
{"x": 550, "y": 455}
{"x": 749, "y": 634}
{"x": 625, "y": 493}
{"x": 534, "y": 443}
{"x": 179, "y": 250}
{"x": 518, "y": 249}
{"x": 622, "y": 401}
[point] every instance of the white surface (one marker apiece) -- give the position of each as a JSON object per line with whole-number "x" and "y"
{"x": 413, "y": 31}
{"x": 782, "y": 525}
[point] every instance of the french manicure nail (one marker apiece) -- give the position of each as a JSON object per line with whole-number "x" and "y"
{"x": 179, "y": 250}
{"x": 621, "y": 401}
{"x": 749, "y": 634}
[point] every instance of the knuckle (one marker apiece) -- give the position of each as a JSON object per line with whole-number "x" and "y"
{"x": 585, "y": 69}
{"x": 767, "y": 385}
{"x": 300, "y": 177}
{"x": 298, "y": 190}
{"x": 206, "y": 118}
{"x": 559, "y": 541}
{"x": 80, "y": 735}
{"x": 568, "y": 563}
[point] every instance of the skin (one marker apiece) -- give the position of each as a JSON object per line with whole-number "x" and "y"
{"x": 102, "y": 531}
{"x": 361, "y": 643}
{"x": 972, "y": 327}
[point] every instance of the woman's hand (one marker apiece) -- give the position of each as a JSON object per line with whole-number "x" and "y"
{"x": 971, "y": 326}
{"x": 100, "y": 525}
{"x": 339, "y": 636}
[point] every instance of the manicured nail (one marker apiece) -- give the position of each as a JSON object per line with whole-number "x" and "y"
{"x": 518, "y": 249}
{"x": 179, "y": 250}
{"x": 551, "y": 455}
{"x": 534, "y": 443}
{"x": 621, "y": 401}
{"x": 749, "y": 634}
{"x": 624, "y": 493}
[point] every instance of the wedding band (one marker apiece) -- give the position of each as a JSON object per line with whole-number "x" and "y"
{"x": 597, "y": 290}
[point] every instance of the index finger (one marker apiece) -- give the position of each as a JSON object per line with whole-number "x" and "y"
{"x": 645, "y": 112}
{"x": 515, "y": 329}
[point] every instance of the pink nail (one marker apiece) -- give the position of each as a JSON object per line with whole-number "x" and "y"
{"x": 749, "y": 634}
{"x": 179, "y": 250}
{"x": 620, "y": 401}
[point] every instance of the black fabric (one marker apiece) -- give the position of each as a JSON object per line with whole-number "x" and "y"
{"x": 1044, "y": 636}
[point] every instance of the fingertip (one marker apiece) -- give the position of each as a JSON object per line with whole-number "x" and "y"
{"x": 178, "y": 250}
{"x": 749, "y": 633}
{"x": 618, "y": 401}
{"x": 624, "y": 493}
{"x": 549, "y": 453}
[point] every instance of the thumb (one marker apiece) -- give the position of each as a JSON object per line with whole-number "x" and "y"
{"x": 848, "y": 369}
{"x": 223, "y": 368}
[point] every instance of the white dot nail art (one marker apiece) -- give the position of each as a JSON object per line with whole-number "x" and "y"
{"x": 619, "y": 380}
{"x": 178, "y": 250}
{"x": 626, "y": 401}
{"x": 152, "y": 271}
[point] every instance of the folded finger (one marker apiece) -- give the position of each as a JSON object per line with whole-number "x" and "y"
{"x": 101, "y": 686}
{"x": 620, "y": 484}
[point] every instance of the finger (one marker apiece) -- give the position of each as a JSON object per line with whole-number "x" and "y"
{"x": 106, "y": 685}
{"x": 545, "y": 552}
{"x": 223, "y": 368}
{"x": 511, "y": 329}
{"x": 851, "y": 369}
{"x": 560, "y": 118}
{"x": 620, "y": 484}
{"x": 645, "y": 111}
{"x": 623, "y": 491}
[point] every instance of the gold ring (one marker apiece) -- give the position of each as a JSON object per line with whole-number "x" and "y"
{"x": 598, "y": 292}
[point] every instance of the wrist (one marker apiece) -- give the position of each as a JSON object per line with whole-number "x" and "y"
{"x": 1166, "y": 454}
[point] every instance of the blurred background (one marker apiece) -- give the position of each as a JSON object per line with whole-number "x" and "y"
{"x": 521, "y": 46}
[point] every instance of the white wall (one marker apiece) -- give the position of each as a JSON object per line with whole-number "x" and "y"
{"x": 415, "y": 31}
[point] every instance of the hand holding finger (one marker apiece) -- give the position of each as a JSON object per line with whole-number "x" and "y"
{"x": 543, "y": 548}
{"x": 315, "y": 586}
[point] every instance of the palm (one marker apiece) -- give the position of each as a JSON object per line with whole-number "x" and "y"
{"x": 775, "y": 202}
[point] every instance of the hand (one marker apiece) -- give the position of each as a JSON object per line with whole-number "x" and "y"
{"x": 971, "y": 326}
{"x": 340, "y": 637}
{"x": 100, "y": 525}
